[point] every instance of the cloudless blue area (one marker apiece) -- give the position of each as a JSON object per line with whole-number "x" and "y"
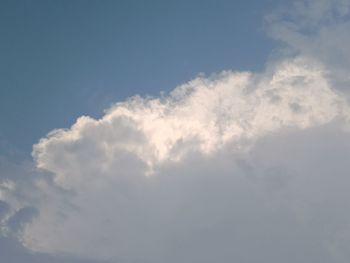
{"x": 62, "y": 59}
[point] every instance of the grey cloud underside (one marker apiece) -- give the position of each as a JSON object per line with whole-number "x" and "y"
{"x": 286, "y": 200}
{"x": 12, "y": 251}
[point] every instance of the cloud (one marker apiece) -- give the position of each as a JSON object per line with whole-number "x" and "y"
{"x": 202, "y": 115}
{"x": 18, "y": 207}
{"x": 317, "y": 29}
{"x": 183, "y": 177}
{"x": 238, "y": 166}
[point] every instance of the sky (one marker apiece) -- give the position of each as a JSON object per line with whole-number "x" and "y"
{"x": 63, "y": 59}
{"x": 174, "y": 131}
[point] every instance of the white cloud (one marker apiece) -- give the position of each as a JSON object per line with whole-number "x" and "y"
{"x": 174, "y": 178}
{"x": 202, "y": 115}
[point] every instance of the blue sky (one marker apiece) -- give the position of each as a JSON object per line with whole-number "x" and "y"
{"x": 174, "y": 131}
{"x": 62, "y": 59}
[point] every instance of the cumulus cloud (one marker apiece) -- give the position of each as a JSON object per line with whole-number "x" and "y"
{"x": 176, "y": 178}
{"x": 238, "y": 166}
{"x": 202, "y": 115}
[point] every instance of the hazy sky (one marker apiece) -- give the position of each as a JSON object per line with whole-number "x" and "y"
{"x": 175, "y": 131}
